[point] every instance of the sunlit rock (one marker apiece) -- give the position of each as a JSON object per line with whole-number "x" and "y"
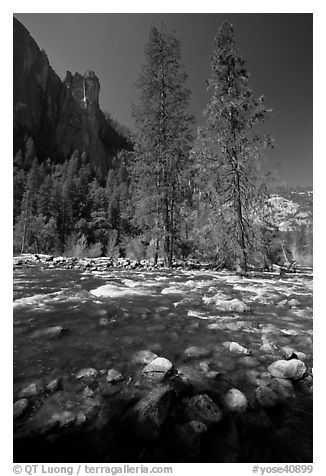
{"x": 20, "y": 407}
{"x": 157, "y": 369}
{"x": 32, "y": 390}
{"x": 114, "y": 376}
{"x": 54, "y": 385}
{"x": 233, "y": 305}
{"x": 86, "y": 373}
{"x": 236, "y": 348}
{"x": 293, "y": 303}
{"x": 54, "y": 331}
{"x": 289, "y": 332}
{"x": 235, "y": 401}
{"x": 291, "y": 369}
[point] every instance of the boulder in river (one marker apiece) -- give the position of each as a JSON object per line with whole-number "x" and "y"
{"x": 32, "y": 390}
{"x": 235, "y": 401}
{"x": 293, "y": 303}
{"x": 114, "y": 376}
{"x": 236, "y": 348}
{"x": 54, "y": 385}
{"x": 291, "y": 369}
{"x": 290, "y": 353}
{"x": 51, "y": 332}
{"x": 157, "y": 369}
{"x": 201, "y": 407}
{"x": 20, "y": 407}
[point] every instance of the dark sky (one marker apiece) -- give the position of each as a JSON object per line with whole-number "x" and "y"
{"x": 278, "y": 49}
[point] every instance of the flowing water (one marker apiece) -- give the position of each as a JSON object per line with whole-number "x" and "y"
{"x": 110, "y": 315}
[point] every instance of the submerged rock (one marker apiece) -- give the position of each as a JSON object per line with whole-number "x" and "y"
{"x": 55, "y": 331}
{"x": 104, "y": 321}
{"x": 288, "y": 369}
{"x": 61, "y": 419}
{"x": 201, "y": 407}
{"x": 236, "y": 401}
{"x": 148, "y": 415}
{"x": 269, "y": 348}
{"x": 197, "y": 352}
{"x": 306, "y": 384}
{"x": 189, "y": 437}
{"x": 267, "y": 397}
{"x": 20, "y": 407}
{"x": 63, "y": 409}
{"x": 130, "y": 341}
{"x": 157, "y": 369}
{"x": 249, "y": 361}
{"x": 193, "y": 377}
{"x": 283, "y": 387}
{"x": 144, "y": 357}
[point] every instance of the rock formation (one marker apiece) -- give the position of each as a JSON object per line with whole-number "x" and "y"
{"x": 60, "y": 116}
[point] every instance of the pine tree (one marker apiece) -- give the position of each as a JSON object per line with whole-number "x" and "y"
{"x": 163, "y": 139}
{"x": 228, "y": 151}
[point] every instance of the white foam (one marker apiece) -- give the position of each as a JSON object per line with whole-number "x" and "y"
{"x": 35, "y": 301}
{"x": 130, "y": 283}
{"x": 44, "y": 301}
{"x": 111, "y": 290}
{"x": 172, "y": 290}
{"x": 199, "y": 315}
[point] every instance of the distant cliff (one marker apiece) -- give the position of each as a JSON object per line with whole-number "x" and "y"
{"x": 60, "y": 116}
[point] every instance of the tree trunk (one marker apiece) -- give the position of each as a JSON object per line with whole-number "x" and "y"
{"x": 242, "y": 258}
{"x": 25, "y": 221}
{"x": 157, "y": 247}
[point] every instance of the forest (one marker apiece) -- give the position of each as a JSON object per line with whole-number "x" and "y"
{"x": 179, "y": 193}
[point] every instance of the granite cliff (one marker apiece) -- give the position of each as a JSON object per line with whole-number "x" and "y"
{"x": 60, "y": 116}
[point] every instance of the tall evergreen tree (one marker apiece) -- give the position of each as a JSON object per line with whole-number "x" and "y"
{"x": 163, "y": 137}
{"x": 229, "y": 148}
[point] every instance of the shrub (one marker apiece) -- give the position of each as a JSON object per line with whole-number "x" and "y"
{"x": 135, "y": 249}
